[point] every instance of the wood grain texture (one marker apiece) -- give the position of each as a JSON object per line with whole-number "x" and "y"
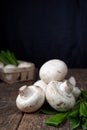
{"x": 10, "y": 116}
{"x": 13, "y": 119}
{"x": 37, "y": 122}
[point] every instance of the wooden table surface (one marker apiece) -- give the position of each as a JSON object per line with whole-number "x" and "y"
{"x": 13, "y": 119}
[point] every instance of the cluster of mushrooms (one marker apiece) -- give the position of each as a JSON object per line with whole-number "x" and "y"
{"x": 10, "y": 67}
{"x": 60, "y": 93}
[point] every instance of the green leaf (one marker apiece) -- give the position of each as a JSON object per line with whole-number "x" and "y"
{"x": 49, "y": 112}
{"x": 3, "y": 59}
{"x": 10, "y": 57}
{"x": 57, "y": 119}
{"x": 84, "y": 93}
{"x": 74, "y": 119}
{"x": 84, "y": 123}
{"x": 6, "y": 57}
{"x": 83, "y": 109}
{"x": 74, "y": 113}
{"x": 74, "y": 123}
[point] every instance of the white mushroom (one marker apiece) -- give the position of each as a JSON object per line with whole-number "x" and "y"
{"x": 41, "y": 84}
{"x": 8, "y": 68}
{"x": 76, "y": 91}
{"x": 60, "y": 96}
{"x": 24, "y": 64}
{"x": 30, "y": 98}
{"x": 53, "y": 70}
{"x": 10, "y": 75}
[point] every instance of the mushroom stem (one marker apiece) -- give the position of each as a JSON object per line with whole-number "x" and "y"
{"x": 22, "y": 89}
{"x": 66, "y": 87}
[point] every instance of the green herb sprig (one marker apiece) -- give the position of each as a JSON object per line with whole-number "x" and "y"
{"x": 77, "y": 117}
{"x": 7, "y": 57}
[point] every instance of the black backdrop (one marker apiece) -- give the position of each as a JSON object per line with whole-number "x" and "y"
{"x": 40, "y": 30}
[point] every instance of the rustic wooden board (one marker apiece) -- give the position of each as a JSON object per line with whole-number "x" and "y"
{"x": 37, "y": 122}
{"x": 13, "y": 119}
{"x": 10, "y": 116}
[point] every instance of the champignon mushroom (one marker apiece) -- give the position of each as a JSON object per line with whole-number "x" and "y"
{"x": 9, "y": 68}
{"x": 30, "y": 98}
{"x": 60, "y": 96}
{"x": 76, "y": 91}
{"x": 41, "y": 84}
{"x": 24, "y": 64}
{"x": 53, "y": 70}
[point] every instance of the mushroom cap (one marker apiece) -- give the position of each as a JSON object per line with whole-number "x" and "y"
{"x": 30, "y": 98}
{"x": 41, "y": 84}
{"x": 53, "y": 70}
{"x": 24, "y": 64}
{"x": 76, "y": 91}
{"x": 58, "y": 98}
{"x": 9, "y": 68}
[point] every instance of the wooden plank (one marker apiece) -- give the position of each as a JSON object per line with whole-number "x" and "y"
{"x": 13, "y": 119}
{"x": 36, "y": 121}
{"x": 10, "y": 116}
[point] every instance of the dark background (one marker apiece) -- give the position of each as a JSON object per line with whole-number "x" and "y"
{"x": 40, "y": 30}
